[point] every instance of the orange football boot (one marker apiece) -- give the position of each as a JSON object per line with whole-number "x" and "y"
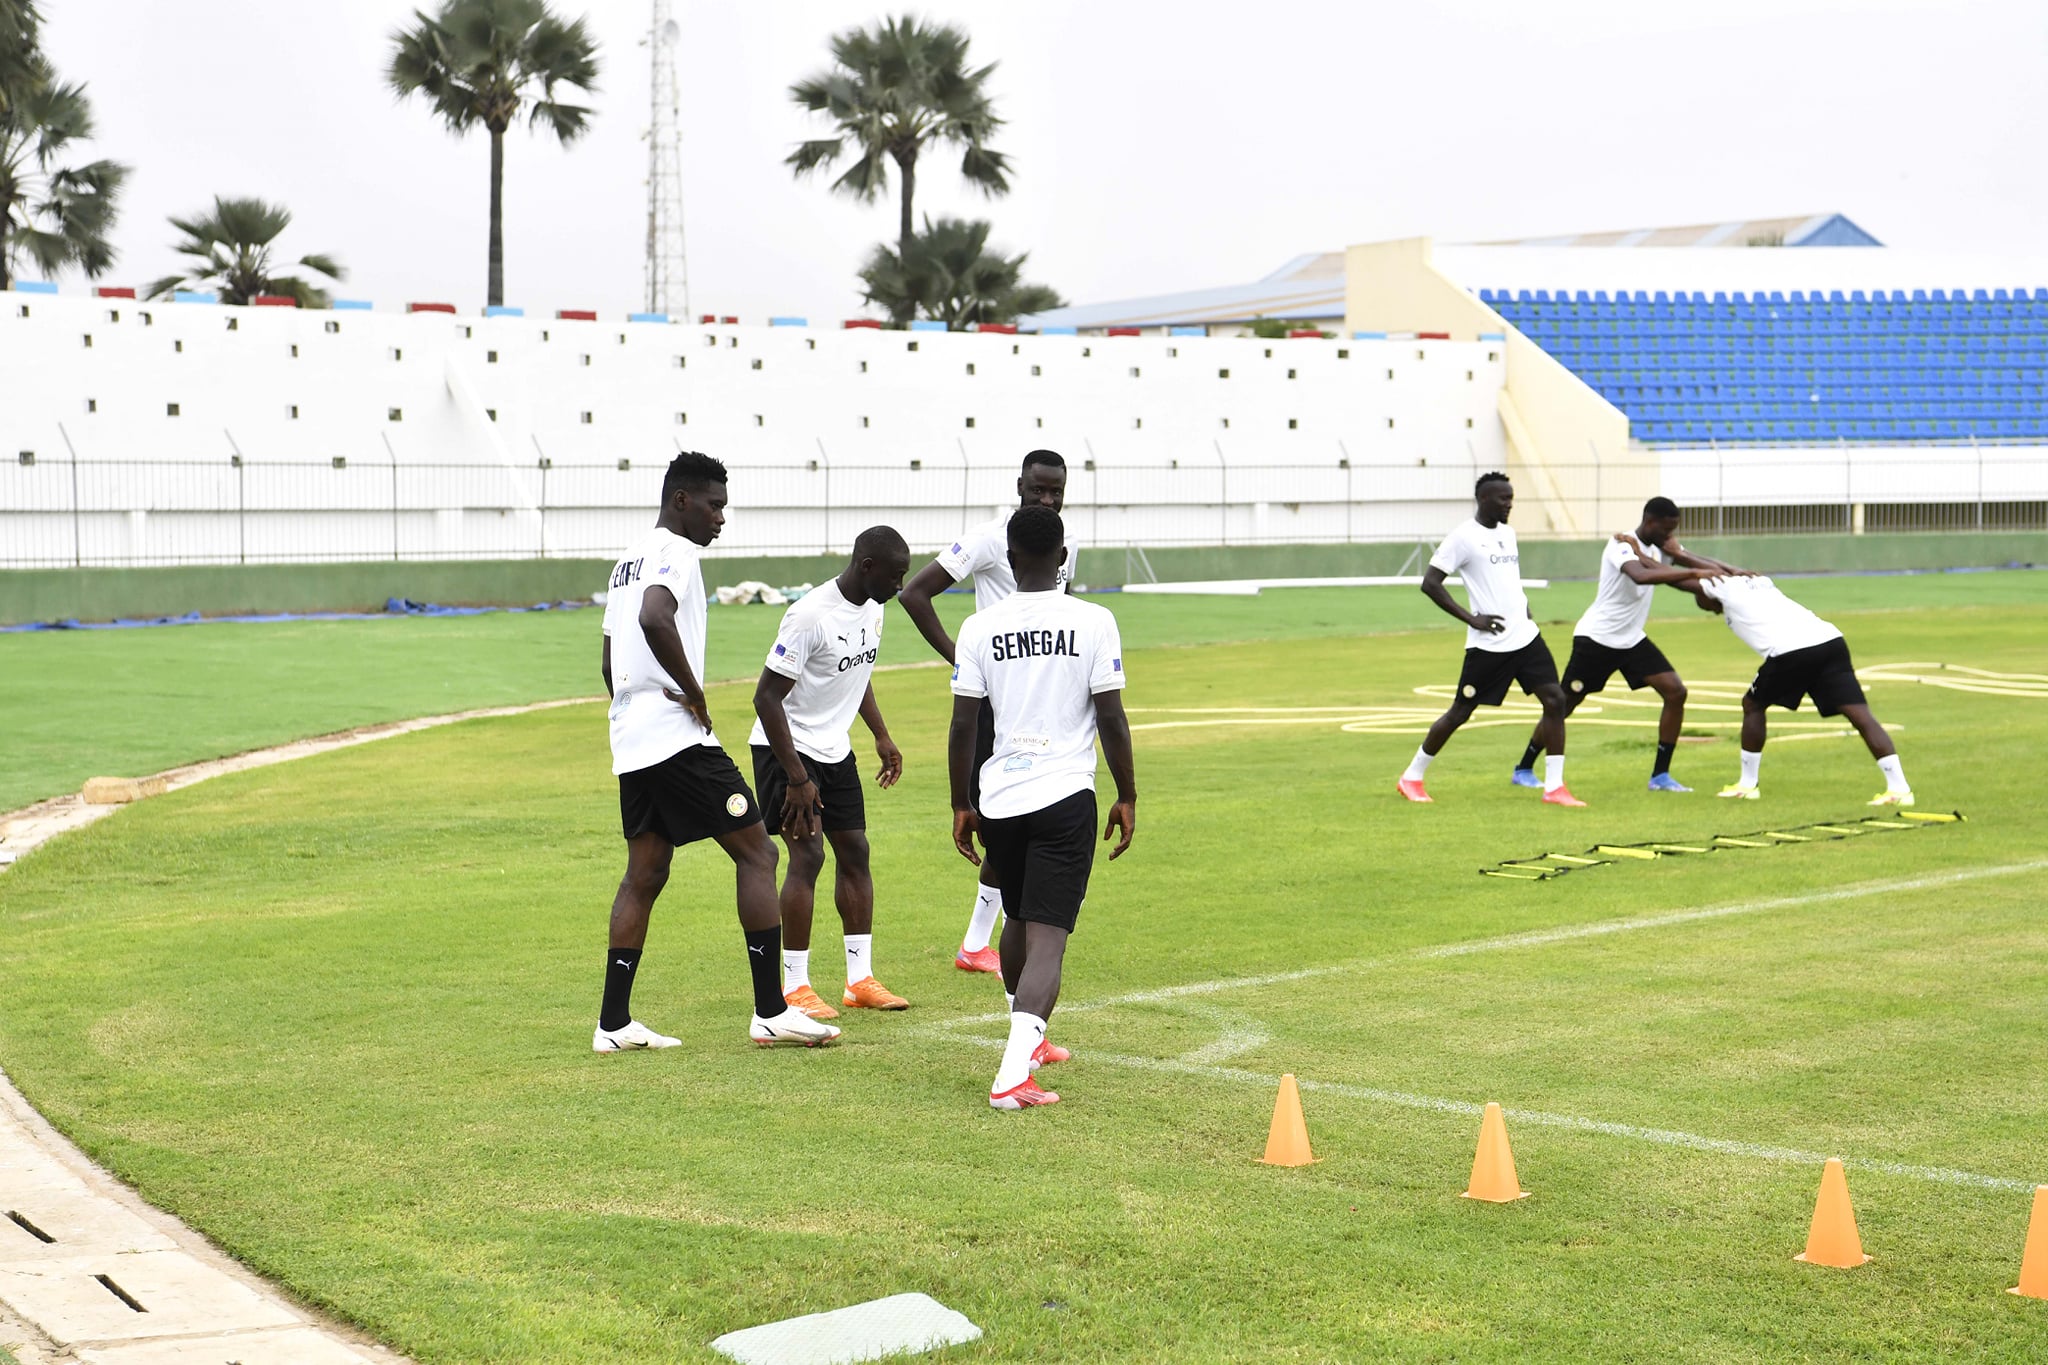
{"x": 1023, "y": 1096}
{"x": 810, "y": 1002}
{"x": 1048, "y": 1052}
{"x": 1561, "y": 797}
{"x": 870, "y": 994}
{"x": 980, "y": 960}
{"x": 1413, "y": 791}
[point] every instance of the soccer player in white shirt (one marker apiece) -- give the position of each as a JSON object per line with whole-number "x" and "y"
{"x": 983, "y": 551}
{"x": 1804, "y": 656}
{"x": 676, "y": 784}
{"x": 1502, "y": 644}
{"x": 816, "y": 679}
{"x": 1051, "y": 667}
{"x": 1612, "y": 636}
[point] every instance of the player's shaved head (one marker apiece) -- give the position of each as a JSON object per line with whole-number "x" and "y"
{"x": 1050, "y": 458}
{"x": 1660, "y": 507}
{"x": 1495, "y": 476}
{"x": 1037, "y": 533}
{"x": 880, "y": 542}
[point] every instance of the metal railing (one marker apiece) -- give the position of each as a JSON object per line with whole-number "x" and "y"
{"x": 57, "y": 513}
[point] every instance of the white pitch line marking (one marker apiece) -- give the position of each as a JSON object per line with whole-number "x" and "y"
{"x": 1542, "y": 1118}
{"x": 1201, "y": 1062}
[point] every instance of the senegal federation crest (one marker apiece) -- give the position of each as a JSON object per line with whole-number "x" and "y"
{"x": 735, "y": 805}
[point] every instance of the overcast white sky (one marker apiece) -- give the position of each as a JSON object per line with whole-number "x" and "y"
{"x": 1158, "y": 146}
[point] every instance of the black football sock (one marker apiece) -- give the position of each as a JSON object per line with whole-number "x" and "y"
{"x": 1664, "y": 752}
{"x": 764, "y": 959}
{"x": 1529, "y": 756}
{"x": 619, "y": 966}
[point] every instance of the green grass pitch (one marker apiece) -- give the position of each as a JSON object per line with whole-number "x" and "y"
{"x": 336, "y": 1013}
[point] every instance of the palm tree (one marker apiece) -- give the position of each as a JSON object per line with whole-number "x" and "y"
{"x": 894, "y": 92}
{"x": 18, "y": 22}
{"x": 485, "y": 61}
{"x": 950, "y": 274}
{"x": 231, "y": 251}
{"x": 53, "y": 214}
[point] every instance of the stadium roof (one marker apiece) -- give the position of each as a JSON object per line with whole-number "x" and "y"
{"x": 1819, "y": 229}
{"x": 1310, "y": 286}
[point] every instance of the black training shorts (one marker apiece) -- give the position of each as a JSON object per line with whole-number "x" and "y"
{"x": 1823, "y": 672}
{"x": 695, "y": 793}
{"x": 984, "y": 750}
{"x": 1593, "y": 663}
{"x": 1488, "y": 672}
{"x": 843, "y": 805}
{"x": 1041, "y": 860}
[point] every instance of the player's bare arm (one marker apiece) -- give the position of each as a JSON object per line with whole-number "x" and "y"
{"x": 604, "y": 665}
{"x": 1679, "y": 555}
{"x": 658, "y": 624}
{"x": 959, "y": 765}
{"x": 885, "y": 748}
{"x": 917, "y": 597}
{"x": 1433, "y": 588}
{"x": 1114, "y": 728}
{"x": 798, "y": 818}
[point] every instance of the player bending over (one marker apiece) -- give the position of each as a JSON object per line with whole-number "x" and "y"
{"x": 1804, "y": 656}
{"x": 815, "y": 680}
{"x": 1612, "y": 636}
{"x": 1502, "y": 644}
{"x": 1051, "y": 670}
{"x": 676, "y": 784}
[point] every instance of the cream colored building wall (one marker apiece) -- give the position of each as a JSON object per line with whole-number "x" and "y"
{"x": 1564, "y": 439}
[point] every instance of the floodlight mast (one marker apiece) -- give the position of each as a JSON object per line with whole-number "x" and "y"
{"x": 667, "y": 269}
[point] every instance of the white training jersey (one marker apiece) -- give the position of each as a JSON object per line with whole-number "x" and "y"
{"x": 1490, "y": 562}
{"x": 984, "y": 551}
{"x": 646, "y": 726}
{"x": 828, "y": 645}
{"x": 1039, "y": 658}
{"x": 1620, "y": 614}
{"x": 1765, "y": 619}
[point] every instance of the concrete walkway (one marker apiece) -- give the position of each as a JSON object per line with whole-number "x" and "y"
{"x": 90, "y": 1274}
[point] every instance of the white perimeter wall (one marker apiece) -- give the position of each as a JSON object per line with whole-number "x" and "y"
{"x": 443, "y": 427}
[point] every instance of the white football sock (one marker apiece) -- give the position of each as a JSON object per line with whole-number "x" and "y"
{"x": 1417, "y": 766}
{"x": 860, "y": 956}
{"x": 1894, "y": 774}
{"x": 1750, "y": 763}
{"x": 796, "y": 968}
{"x": 1009, "y": 1002}
{"x": 1553, "y": 772}
{"x": 988, "y": 904}
{"x": 1027, "y": 1031}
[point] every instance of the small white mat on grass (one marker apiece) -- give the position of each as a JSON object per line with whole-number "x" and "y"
{"x": 866, "y": 1331}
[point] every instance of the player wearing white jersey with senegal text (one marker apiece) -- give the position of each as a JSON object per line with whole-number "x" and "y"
{"x": 815, "y": 681}
{"x": 1804, "y": 656}
{"x": 1613, "y": 634}
{"x": 1502, "y": 644}
{"x": 676, "y": 784}
{"x": 1051, "y": 668}
{"x": 983, "y": 551}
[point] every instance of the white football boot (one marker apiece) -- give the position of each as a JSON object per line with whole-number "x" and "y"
{"x": 792, "y": 1027}
{"x": 633, "y": 1037}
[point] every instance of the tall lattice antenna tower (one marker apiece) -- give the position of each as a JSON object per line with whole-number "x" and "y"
{"x": 668, "y": 271}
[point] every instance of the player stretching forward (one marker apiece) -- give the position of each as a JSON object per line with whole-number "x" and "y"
{"x": 1502, "y": 644}
{"x": 676, "y": 785}
{"x": 1611, "y": 636}
{"x": 1052, "y": 670}
{"x": 984, "y": 552}
{"x": 1804, "y": 656}
{"x": 815, "y": 680}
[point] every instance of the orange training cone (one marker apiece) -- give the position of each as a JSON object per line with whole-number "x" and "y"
{"x": 2034, "y": 1262}
{"x": 1493, "y": 1166}
{"x": 1833, "y": 1240}
{"x": 1287, "y": 1140}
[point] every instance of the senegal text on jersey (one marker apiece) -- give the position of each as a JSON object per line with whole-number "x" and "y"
{"x": 1024, "y": 644}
